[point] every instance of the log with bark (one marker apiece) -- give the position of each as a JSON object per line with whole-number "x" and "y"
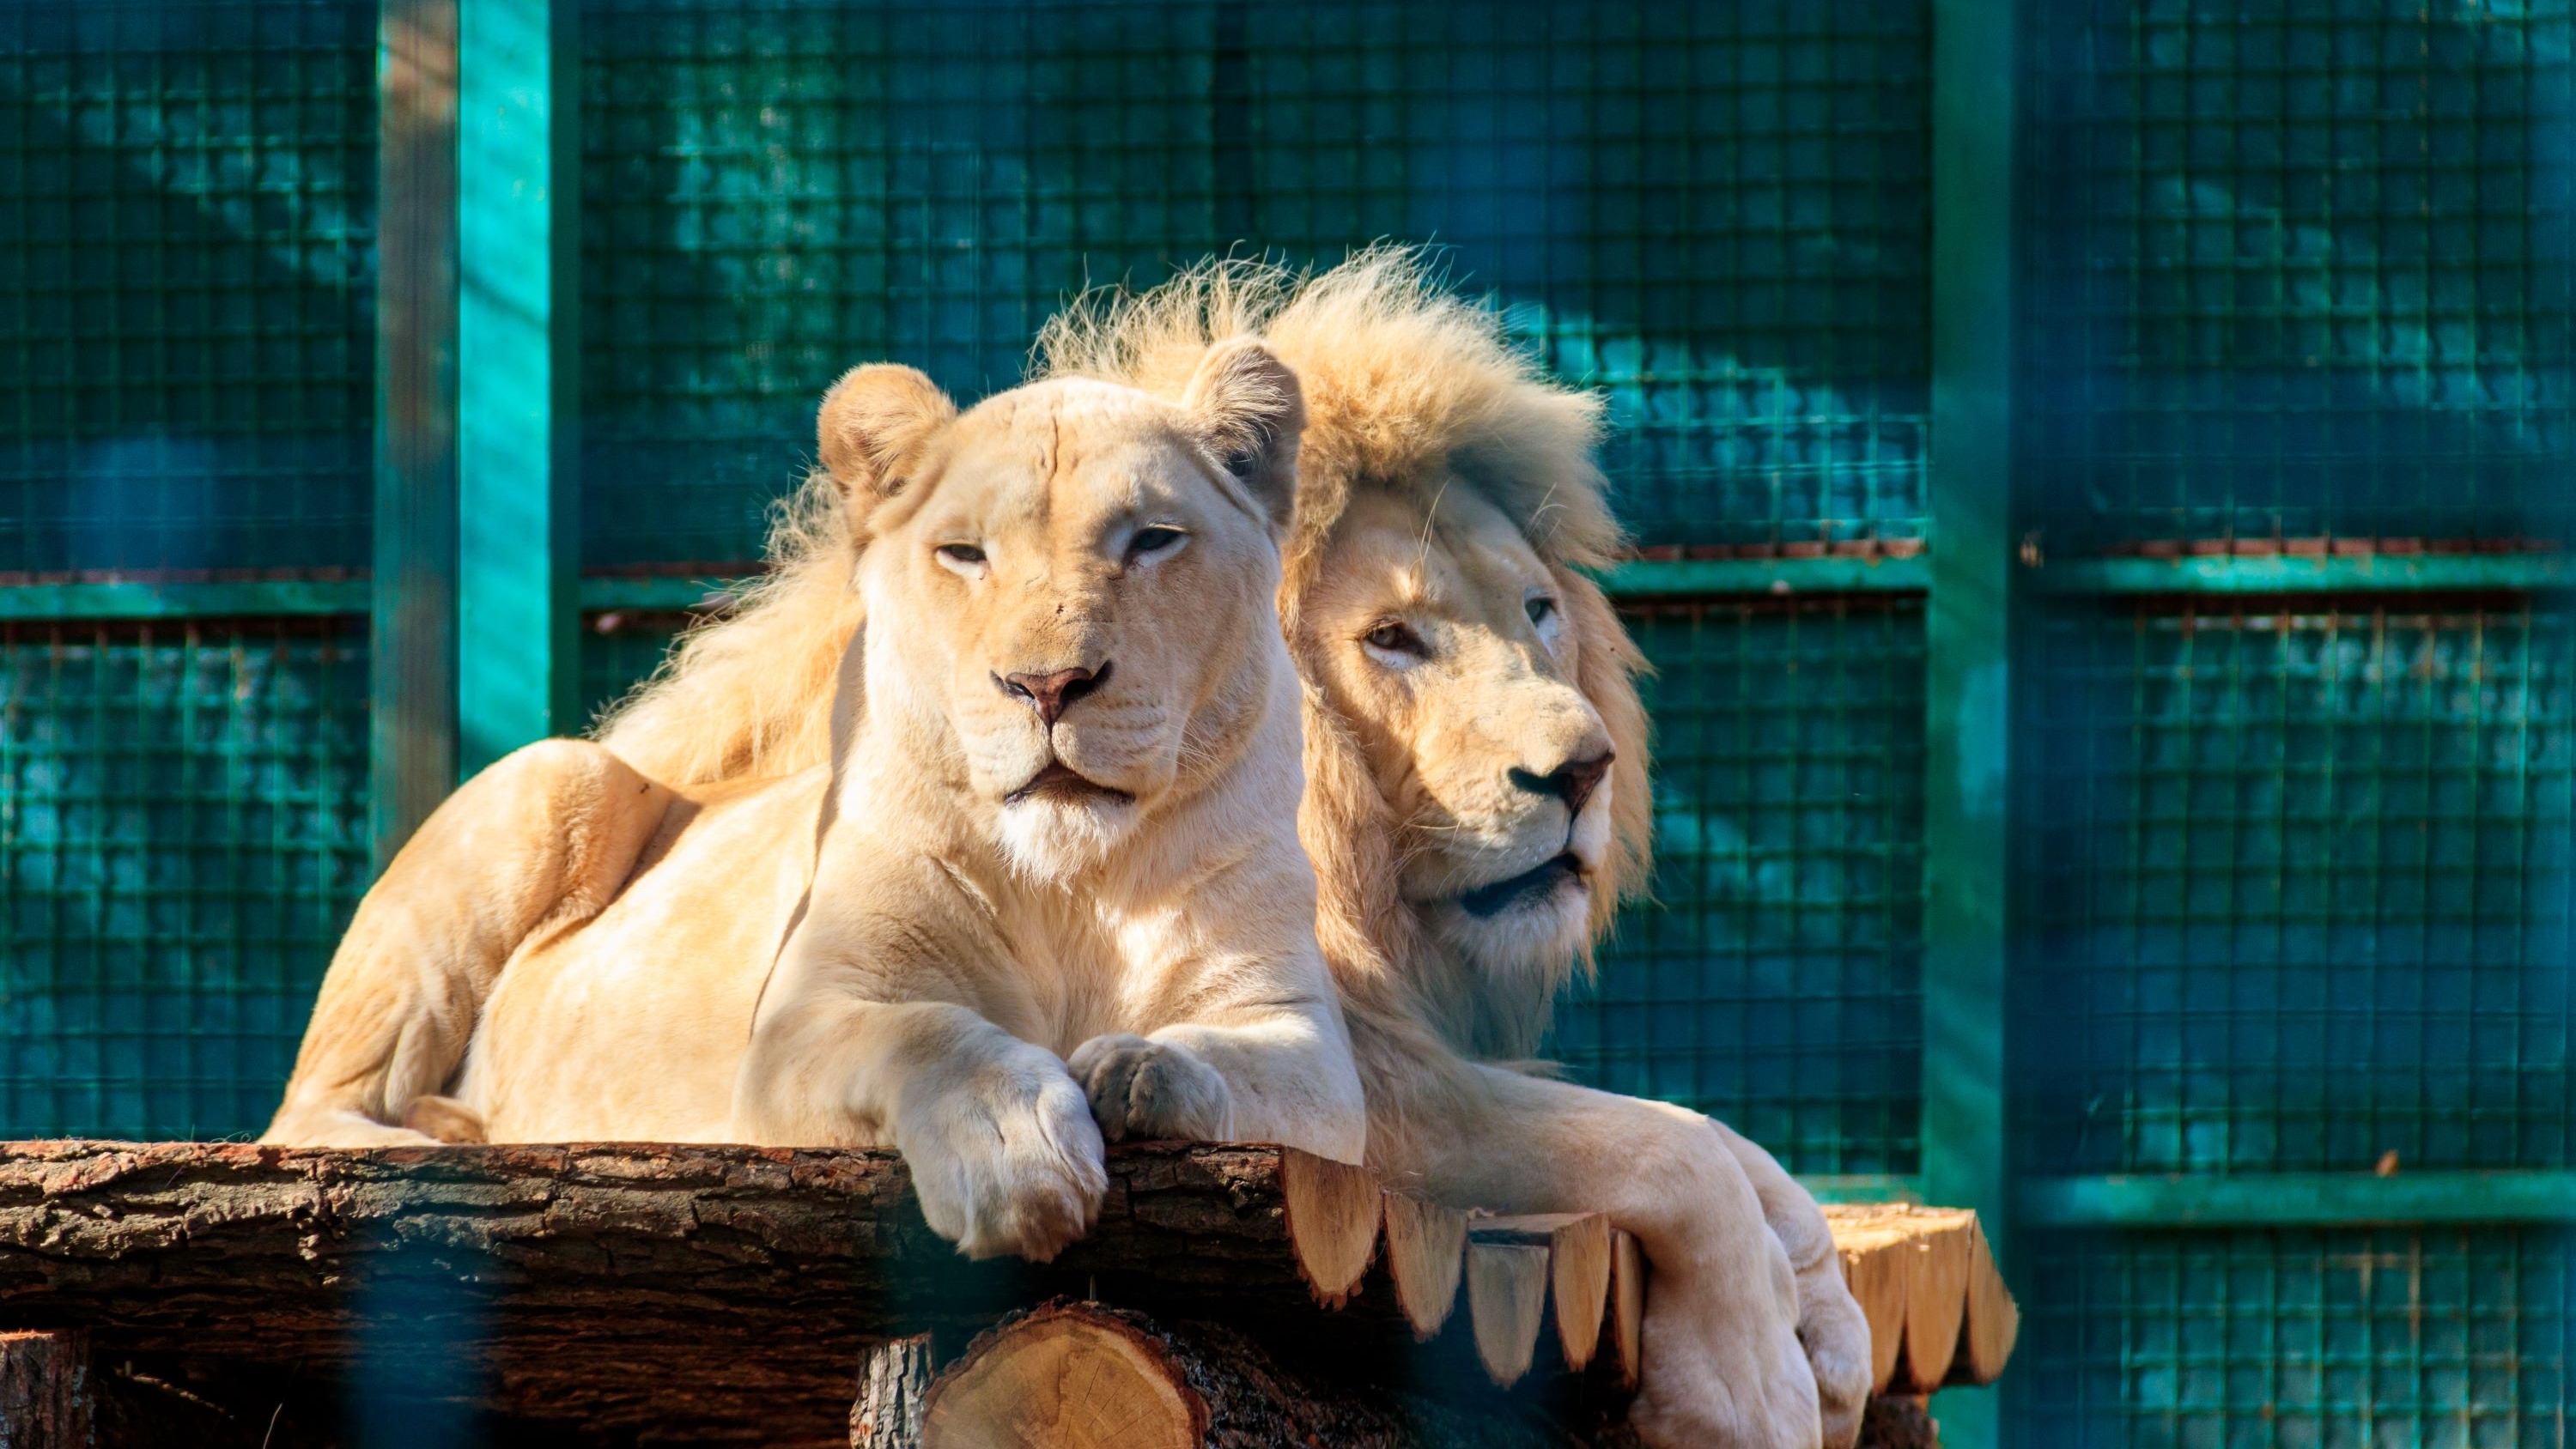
{"x": 653, "y": 1293}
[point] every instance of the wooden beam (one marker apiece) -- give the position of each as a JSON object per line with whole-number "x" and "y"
{"x": 2288, "y": 573}
{"x": 519, "y": 345}
{"x": 412, "y": 663}
{"x": 139, "y": 599}
{"x": 2298, "y": 1199}
{"x": 1969, "y": 617}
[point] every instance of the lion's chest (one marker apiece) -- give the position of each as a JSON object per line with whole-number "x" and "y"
{"x": 1078, "y": 969}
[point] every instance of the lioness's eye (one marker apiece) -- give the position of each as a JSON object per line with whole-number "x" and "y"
{"x": 1394, "y": 638}
{"x": 1541, "y": 609}
{"x": 961, "y": 555}
{"x": 1152, "y": 540}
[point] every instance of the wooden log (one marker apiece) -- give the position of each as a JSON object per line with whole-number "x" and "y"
{"x": 1627, "y": 1307}
{"x": 1916, "y": 1272}
{"x": 579, "y": 1286}
{"x": 584, "y": 1283}
{"x": 1071, "y": 1375}
{"x": 1578, "y": 1257}
{"x": 44, "y": 1391}
{"x": 1426, "y": 1251}
{"x": 1332, "y": 1216}
{"x": 1086, "y": 1376}
{"x": 894, "y": 1388}
{"x": 1993, "y": 1320}
{"x": 1507, "y": 1303}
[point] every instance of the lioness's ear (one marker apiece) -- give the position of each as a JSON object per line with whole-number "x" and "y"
{"x": 870, "y": 419}
{"x": 1250, "y": 411}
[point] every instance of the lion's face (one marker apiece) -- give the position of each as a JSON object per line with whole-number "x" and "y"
{"x": 1452, "y": 649}
{"x": 1069, "y": 590}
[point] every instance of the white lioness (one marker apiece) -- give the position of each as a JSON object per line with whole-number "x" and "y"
{"x": 1464, "y": 687}
{"x": 1058, "y": 828}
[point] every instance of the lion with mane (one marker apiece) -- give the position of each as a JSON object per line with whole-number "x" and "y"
{"x": 1476, "y": 799}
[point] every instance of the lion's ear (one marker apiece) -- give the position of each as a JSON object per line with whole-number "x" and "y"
{"x": 870, "y": 420}
{"x": 1250, "y": 412}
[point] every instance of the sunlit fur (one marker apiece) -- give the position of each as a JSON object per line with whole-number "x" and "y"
{"x": 1425, "y": 425}
{"x": 1414, "y": 398}
{"x": 920, "y": 939}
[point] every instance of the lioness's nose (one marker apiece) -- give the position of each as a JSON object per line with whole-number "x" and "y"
{"x": 1573, "y": 782}
{"x": 1052, "y": 694}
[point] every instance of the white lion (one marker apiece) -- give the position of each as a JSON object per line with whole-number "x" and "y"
{"x": 1475, "y": 804}
{"x": 1053, "y": 856}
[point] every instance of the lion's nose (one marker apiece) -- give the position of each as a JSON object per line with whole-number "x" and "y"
{"x": 1052, "y": 694}
{"x": 1573, "y": 783}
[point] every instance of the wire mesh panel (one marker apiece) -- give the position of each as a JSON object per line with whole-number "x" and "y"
{"x": 1716, "y": 213}
{"x": 186, "y": 284}
{"x": 2299, "y": 269}
{"x": 2300, "y": 890}
{"x": 2305, "y": 1339}
{"x": 619, "y": 650}
{"x": 182, "y": 838}
{"x": 1775, "y": 979}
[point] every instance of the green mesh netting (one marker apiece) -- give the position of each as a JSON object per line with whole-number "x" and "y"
{"x": 182, "y": 838}
{"x": 2298, "y": 269}
{"x": 1718, "y": 214}
{"x": 187, "y": 218}
{"x": 1775, "y": 976}
{"x": 2299, "y": 890}
{"x": 2297, "y": 1339}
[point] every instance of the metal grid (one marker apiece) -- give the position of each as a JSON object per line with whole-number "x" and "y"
{"x": 182, "y": 838}
{"x": 1718, "y": 214}
{"x": 619, "y": 649}
{"x": 186, "y": 291}
{"x": 1775, "y": 980}
{"x": 2299, "y": 890}
{"x": 2299, "y": 269}
{"x": 2300, "y": 1340}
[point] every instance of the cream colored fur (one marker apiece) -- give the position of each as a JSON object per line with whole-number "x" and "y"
{"x": 1008, "y": 913}
{"x": 1444, "y": 484}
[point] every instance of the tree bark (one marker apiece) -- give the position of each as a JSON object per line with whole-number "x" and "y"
{"x": 643, "y": 1293}
{"x": 44, "y": 1391}
{"x": 586, "y": 1284}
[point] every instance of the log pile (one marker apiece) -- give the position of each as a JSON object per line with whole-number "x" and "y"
{"x": 681, "y": 1294}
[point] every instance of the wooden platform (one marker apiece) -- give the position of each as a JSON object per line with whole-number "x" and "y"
{"x": 651, "y": 1293}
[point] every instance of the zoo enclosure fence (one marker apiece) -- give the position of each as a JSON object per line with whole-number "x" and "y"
{"x": 2101, "y": 473}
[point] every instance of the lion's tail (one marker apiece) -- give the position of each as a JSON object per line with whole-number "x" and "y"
{"x": 749, "y": 694}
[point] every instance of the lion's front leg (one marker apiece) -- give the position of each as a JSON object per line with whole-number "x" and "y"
{"x": 1723, "y": 1360}
{"x": 860, "y": 1041}
{"x": 1830, "y": 1322}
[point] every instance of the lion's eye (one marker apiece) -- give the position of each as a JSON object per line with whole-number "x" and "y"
{"x": 1541, "y": 608}
{"x": 963, "y": 557}
{"x": 1152, "y": 541}
{"x": 1394, "y": 638}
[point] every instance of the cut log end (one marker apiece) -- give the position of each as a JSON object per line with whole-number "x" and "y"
{"x": 1064, "y": 1377}
{"x": 1332, "y": 1209}
{"x": 1426, "y": 1248}
{"x": 1937, "y": 1308}
{"x": 1627, "y": 1309}
{"x": 1507, "y": 1300}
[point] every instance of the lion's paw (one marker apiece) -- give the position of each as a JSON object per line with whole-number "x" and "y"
{"x": 1761, "y": 1396}
{"x": 1147, "y": 1089}
{"x": 1009, "y": 1166}
{"x": 1836, "y": 1336}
